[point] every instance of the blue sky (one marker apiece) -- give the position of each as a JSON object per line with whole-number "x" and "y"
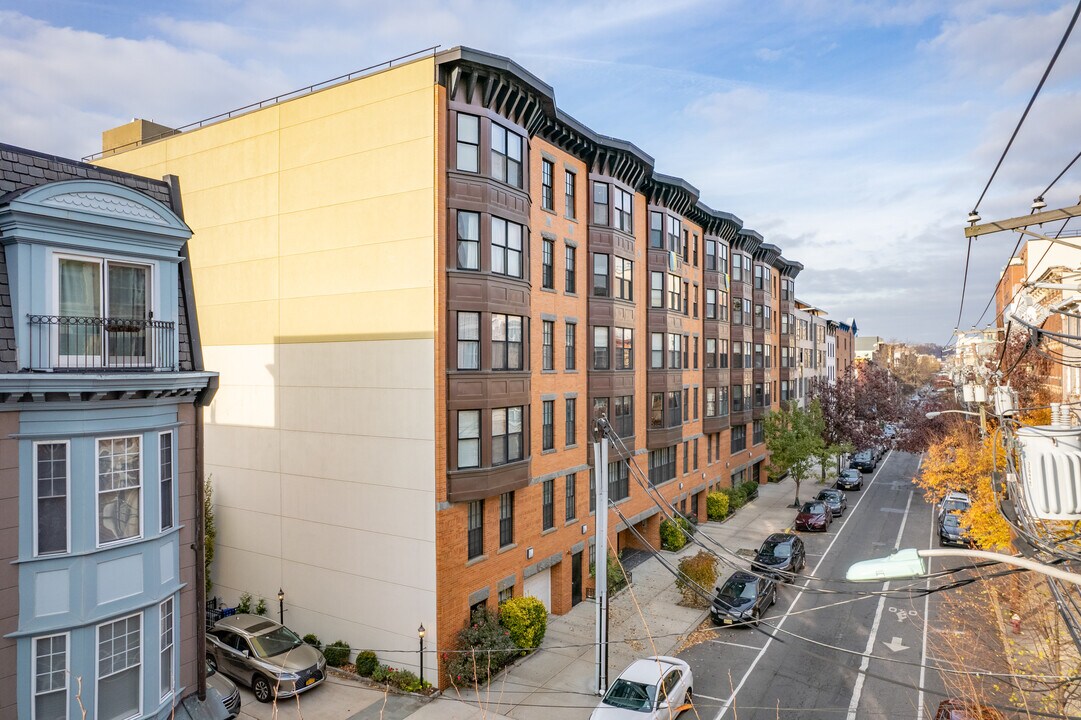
{"x": 855, "y": 135}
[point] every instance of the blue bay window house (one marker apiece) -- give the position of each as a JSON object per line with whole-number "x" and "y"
{"x": 101, "y": 390}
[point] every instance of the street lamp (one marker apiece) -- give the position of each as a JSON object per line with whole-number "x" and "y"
{"x": 908, "y": 563}
{"x": 281, "y": 606}
{"x": 421, "y": 633}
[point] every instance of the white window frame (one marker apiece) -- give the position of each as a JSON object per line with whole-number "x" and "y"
{"x": 34, "y": 675}
{"x": 172, "y": 644}
{"x": 97, "y": 662}
{"x": 173, "y": 479}
{"x": 102, "y": 262}
{"x": 67, "y": 490}
{"x": 97, "y": 492}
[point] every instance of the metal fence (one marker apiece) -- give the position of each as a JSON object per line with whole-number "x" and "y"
{"x": 73, "y": 343}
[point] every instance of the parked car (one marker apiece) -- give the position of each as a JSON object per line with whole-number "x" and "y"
{"x": 850, "y": 480}
{"x": 654, "y": 688}
{"x": 864, "y": 461}
{"x": 834, "y": 499}
{"x": 951, "y": 532}
{"x": 265, "y": 655}
{"x": 226, "y": 688}
{"x": 958, "y": 710}
{"x": 813, "y": 516}
{"x": 742, "y": 599}
{"x": 954, "y": 502}
{"x": 889, "y": 430}
{"x": 781, "y": 555}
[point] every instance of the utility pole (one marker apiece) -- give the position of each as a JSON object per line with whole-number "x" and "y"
{"x": 600, "y": 564}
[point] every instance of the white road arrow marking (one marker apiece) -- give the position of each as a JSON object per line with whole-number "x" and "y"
{"x": 895, "y": 645}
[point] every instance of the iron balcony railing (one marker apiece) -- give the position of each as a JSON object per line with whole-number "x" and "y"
{"x": 73, "y": 343}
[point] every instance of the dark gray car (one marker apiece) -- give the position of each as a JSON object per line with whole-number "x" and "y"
{"x": 265, "y": 655}
{"x": 782, "y": 555}
{"x": 226, "y": 689}
{"x": 835, "y": 500}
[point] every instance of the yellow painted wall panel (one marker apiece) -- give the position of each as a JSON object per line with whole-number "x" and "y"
{"x": 146, "y": 160}
{"x": 239, "y": 201}
{"x": 371, "y": 89}
{"x": 349, "y": 177}
{"x": 369, "y": 268}
{"x": 361, "y": 222}
{"x": 238, "y": 324}
{"x": 370, "y": 315}
{"x": 390, "y": 122}
{"x": 224, "y": 133}
{"x": 232, "y": 162}
{"x": 239, "y": 282}
{"x": 236, "y": 242}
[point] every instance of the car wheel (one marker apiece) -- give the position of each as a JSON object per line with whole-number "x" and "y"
{"x": 211, "y": 662}
{"x": 757, "y": 617}
{"x": 260, "y": 688}
{"x": 688, "y": 699}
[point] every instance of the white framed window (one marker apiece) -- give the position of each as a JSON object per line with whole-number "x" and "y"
{"x": 166, "y": 484}
{"x": 52, "y": 511}
{"x": 166, "y": 634}
{"x": 50, "y": 689}
{"x": 104, "y": 307}
{"x": 119, "y": 676}
{"x": 119, "y": 489}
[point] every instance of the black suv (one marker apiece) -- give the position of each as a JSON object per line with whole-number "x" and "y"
{"x": 864, "y": 461}
{"x": 782, "y": 555}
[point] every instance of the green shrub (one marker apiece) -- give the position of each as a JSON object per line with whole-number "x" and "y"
{"x": 736, "y": 498}
{"x": 406, "y": 680}
{"x": 337, "y": 653}
{"x": 380, "y": 673}
{"x": 750, "y": 488}
{"x": 260, "y": 607}
{"x": 313, "y": 640}
{"x": 716, "y": 505}
{"x": 484, "y": 647}
{"x": 617, "y": 579}
{"x": 243, "y": 605}
{"x": 690, "y": 527}
{"x": 367, "y": 663}
{"x": 698, "y": 573}
{"x": 672, "y": 537}
{"x": 526, "y": 620}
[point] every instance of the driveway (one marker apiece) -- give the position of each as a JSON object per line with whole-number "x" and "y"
{"x": 336, "y": 699}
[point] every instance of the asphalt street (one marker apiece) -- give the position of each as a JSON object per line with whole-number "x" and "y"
{"x": 828, "y": 648}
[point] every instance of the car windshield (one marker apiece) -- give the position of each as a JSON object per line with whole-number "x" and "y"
{"x": 827, "y": 496}
{"x": 630, "y": 695}
{"x": 951, "y": 505}
{"x": 275, "y": 642}
{"x": 951, "y": 521}
{"x": 776, "y": 549}
{"x": 736, "y": 589}
{"x": 813, "y": 508}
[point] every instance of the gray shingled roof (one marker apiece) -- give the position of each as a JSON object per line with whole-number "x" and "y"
{"x": 21, "y": 169}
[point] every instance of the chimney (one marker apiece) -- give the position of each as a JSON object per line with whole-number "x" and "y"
{"x": 132, "y": 135}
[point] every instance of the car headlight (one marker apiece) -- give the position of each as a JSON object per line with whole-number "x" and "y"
{"x": 288, "y": 676}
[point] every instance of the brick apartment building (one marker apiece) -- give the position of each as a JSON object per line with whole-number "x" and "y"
{"x": 420, "y": 286}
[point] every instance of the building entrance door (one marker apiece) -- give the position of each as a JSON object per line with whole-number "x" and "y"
{"x": 576, "y": 578}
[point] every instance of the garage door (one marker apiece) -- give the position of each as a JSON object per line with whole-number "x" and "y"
{"x": 540, "y": 587}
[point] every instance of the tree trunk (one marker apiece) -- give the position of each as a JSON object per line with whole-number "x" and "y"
{"x": 797, "y": 479}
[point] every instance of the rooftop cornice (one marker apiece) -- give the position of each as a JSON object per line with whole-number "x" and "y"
{"x": 622, "y": 160}
{"x": 747, "y": 240}
{"x": 674, "y": 193}
{"x": 767, "y": 253}
{"x": 788, "y": 268}
{"x": 499, "y": 84}
{"x": 714, "y": 222}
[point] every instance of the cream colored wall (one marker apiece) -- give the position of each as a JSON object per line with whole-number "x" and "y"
{"x": 313, "y": 263}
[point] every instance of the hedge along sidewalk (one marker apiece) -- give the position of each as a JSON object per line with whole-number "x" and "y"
{"x": 558, "y": 678}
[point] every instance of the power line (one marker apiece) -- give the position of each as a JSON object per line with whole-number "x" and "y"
{"x": 1032, "y": 100}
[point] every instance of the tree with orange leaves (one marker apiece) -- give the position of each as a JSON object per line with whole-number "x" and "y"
{"x": 961, "y": 460}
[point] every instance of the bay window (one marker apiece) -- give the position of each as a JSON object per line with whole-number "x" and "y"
{"x": 506, "y": 248}
{"x": 506, "y": 435}
{"x": 468, "y": 240}
{"x": 51, "y": 497}
{"x": 506, "y": 156}
{"x": 119, "y": 658}
{"x": 119, "y": 481}
{"x": 468, "y": 439}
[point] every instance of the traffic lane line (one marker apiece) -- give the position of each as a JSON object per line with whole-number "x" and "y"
{"x": 861, "y": 678}
{"x": 754, "y": 663}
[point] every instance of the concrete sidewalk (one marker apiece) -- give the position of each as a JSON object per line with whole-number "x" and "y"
{"x": 646, "y": 619}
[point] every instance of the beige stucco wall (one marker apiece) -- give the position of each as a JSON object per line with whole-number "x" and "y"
{"x": 313, "y": 264}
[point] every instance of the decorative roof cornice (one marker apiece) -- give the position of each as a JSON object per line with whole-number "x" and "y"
{"x": 624, "y": 161}
{"x": 499, "y": 84}
{"x": 767, "y": 253}
{"x": 674, "y": 193}
{"x": 714, "y": 222}
{"x": 747, "y": 240}
{"x": 788, "y": 268}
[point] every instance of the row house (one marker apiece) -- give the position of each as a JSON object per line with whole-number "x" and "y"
{"x": 101, "y": 386}
{"x": 421, "y": 287}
